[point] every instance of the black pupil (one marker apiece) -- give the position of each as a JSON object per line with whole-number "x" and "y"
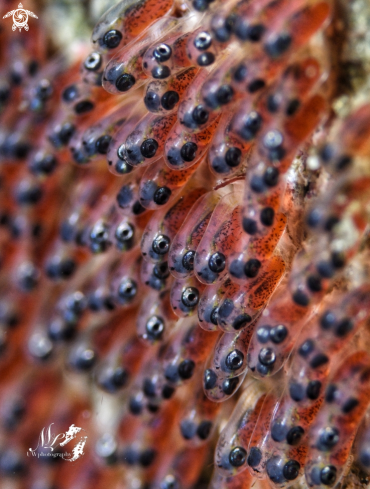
{"x": 112, "y": 38}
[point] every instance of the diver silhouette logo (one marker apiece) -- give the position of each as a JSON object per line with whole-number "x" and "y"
{"x": 20, "y": 18}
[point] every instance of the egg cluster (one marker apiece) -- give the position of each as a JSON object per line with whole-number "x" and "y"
{"x": 184, "y": 222}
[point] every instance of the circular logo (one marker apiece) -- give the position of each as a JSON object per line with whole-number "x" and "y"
{"x": 20, "y": 18}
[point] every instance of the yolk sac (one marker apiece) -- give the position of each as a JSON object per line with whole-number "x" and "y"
{"x": 190, "y": 297}
{"x": 225, "y": 309}
{"x": 257, "y": 184}
{"x": 254, "y": 457}
{"x": 188, "y": 429}
{"x": 279, "y": 431}
{"x": 219, "y": 165}
{"x": 210, "y": 379}
{"x": 148, "y": 190}
{"x": 296, "y": 391}
{"x": 152, "y": 101}
{"x": 161, "y": 244}
{"x": 174, "y": 157}
{"x": 155, "y": 327}
{"x": 236, "y": 269}
{"x": 263, "y": 334}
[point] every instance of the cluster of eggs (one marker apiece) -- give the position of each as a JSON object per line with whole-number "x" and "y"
{"x": 184, "y": 237}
